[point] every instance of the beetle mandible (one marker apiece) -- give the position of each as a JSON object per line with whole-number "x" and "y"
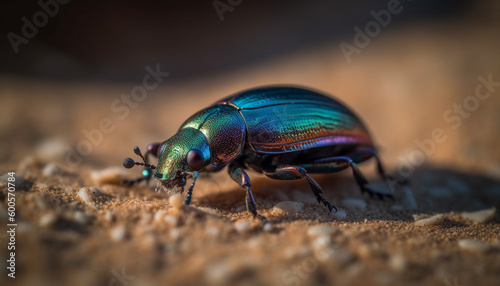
{"x": 285, "y": 133}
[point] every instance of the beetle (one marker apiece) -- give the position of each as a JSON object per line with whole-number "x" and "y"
{"x": 283, "y": 132}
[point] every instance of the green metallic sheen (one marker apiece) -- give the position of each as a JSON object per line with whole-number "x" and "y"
{"x": 285, "y": 133}
{"x": 273, "y": 120}
{"x": 224, "y": 128}
{"x": 174, "y": 151}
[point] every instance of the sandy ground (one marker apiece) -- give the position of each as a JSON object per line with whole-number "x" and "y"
{"x": 402, "y": 85}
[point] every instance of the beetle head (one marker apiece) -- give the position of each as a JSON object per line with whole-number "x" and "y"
{"x": 181, "y": 155}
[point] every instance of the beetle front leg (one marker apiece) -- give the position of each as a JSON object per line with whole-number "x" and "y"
{"x": 290, "y": 172}
{"x": 241, "y": 178}
{"x": 190, "y": 190}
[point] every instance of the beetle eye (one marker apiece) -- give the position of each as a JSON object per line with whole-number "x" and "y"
{"x": 195, "y": 159}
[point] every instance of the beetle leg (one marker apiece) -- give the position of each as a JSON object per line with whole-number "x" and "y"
{"x": 190, "y": 190}
{"x": 335, "y": 164}
{"x": 290, "y": 172}
{"x": 363, "y": 155}
{"x": 241, "y": 178}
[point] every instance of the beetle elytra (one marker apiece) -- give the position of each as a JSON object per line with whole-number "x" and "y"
{"x": 285, "y": 133}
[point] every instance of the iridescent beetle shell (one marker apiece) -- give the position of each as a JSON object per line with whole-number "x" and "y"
{"x": 269, "y": 120}
{"x": 283, "y": 132}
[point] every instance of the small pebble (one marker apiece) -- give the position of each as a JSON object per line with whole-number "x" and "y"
{"x": 340, "y": 256}
{"x": 119, "y": 233}
{"x": 255, "y": 242}
{"x": 159, "y": 215}
{"x": 398, "y": 263}
{"x": 352, "y": 203}
{"x": 86, "y": 196}
{"x": 482, "y": 216}
{"x": 322, "y": 229}
{"x": 242, "y": 226}
{"x": 417, "y": 217}
{"x": 288, "y": 207}
{"x": 408, "y": 201}
{"x": 47, "y": 220}
{"x": 433, "y": 220}
{"x": 268, "y": 227}
{"x": 475, "y": 245}
{"x": 293, "y": 252}
{"x": 109, "y": 216}
{"x": 339, "y": 215}
{"x": 172, "y": 220}
{"x": 324, "y": 249}
{"x": 80, "y": 217}
{"x": 175, "y": 233}
{"x": 50, "y": 169}
{"x": 219, "y": 273}
{"x": 113, "y": 176}
{"x": 213, "y": 231}
{"x": 176, "y": 201}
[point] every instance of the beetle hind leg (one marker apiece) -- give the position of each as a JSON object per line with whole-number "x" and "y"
{"x": 290, "y": 172}
{"x": 363, "y": 155}
{"x": 336, "y": 164}
{"x": 240, "y": 176}
{"x": 362, "y": 183}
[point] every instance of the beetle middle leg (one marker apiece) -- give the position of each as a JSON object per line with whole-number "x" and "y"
{"x": 240, "y": 176}
{"x": 290, "y": 172}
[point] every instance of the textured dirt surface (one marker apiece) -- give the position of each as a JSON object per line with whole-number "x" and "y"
{"x": 401, "y": 85}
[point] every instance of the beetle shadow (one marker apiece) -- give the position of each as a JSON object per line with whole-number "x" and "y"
{"x": 434, "y": 189}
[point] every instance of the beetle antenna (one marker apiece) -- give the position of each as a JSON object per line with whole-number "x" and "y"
{"x": 129, "y": 162}
{"x": 138, "y": 152}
